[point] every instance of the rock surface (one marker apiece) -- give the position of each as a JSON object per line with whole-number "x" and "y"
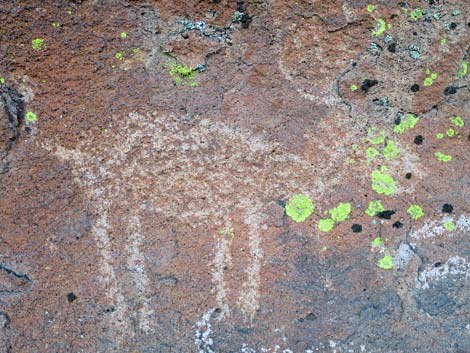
{"x": 143, "y": 203}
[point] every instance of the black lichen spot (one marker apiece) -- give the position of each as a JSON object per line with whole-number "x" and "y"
{"x": 408, "y": 175}
{"x": 447, "y": 208}
{"x": 368, "y": 84}
{"x": 419, "y": 139}
{"x": 311, "y": 317}
{"x": 450, "y": 90}
{"x": 453, "y": 25}
{"x": 392, "y": 48}
{"x": 438, "y": 264}
{"x": 356, "y": 228}
{"x": 71, "y": 297}
{"x": 281, "y": 203}
{"x": 397, "y": 120}
{"x": 386, "y": 214}
{"x": 397, "y": 225}
{"x": 414, "y": 88}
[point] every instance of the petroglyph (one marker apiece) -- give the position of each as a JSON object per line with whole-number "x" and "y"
{"x": 195, "y": 172}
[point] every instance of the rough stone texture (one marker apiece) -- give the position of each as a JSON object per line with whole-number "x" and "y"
{"x": 142, "y": 215}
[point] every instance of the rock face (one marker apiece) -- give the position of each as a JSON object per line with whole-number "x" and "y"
{"x": 149, "y": 151}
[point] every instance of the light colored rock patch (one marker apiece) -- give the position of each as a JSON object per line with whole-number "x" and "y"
{"x": 455, "y": 265}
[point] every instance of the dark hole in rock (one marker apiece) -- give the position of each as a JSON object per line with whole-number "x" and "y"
{"x": 368, "y": 84}
{"x": 356, "y": 228}
{"x": 387, "y": 214}
{"x": 447, "y": 208}
{"x": 71, "y": 297}
{"x": 397, "y": 225}
{"x": 418, "y": 139}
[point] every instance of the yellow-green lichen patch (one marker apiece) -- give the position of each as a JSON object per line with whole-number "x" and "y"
{"x": 31, "y": 117}
{"x": 183, "y": 75}
{"x": 299, "y": 208}
{"x": 443, "y": 157}
{"x": 341, "y": 212}
{"x": 371, "y": 8}
{"x": 416, "y": 14}
{"x": 354, "y": 87}
{"x": 462, "y": 72}
{"x": 391, "y": 150}
{"x": 38, "y": 44}
{"x": 56, "y": 24}
{"x": 375, "y": 136}
{"x": 119, "y": 55}
{"x": 407, "y": 123}
{"x": 457, "y": 121}
{"x": 386, "y": 262}
{"x": 136, "y": 50}
{"x": 123, "y": 35}
{"x": 326, "y": 225}
{"x": 2, "y": 80}
{"x": 443, "y": 41}
{"x": 415, "y": 211}
{"x": 382, "y": 183}
{"x": 227, "y": 232}
{"x": 450, "y": 132}
{"x": 440, "y": 135}
{"x": 374, "y": 208}
{"x": 372, "y": 153}
{"x": 431, "y": 77}
{"x": 377, "y": 242}
{"x": 449, "y": 225}
{"x": 380, "y": 27}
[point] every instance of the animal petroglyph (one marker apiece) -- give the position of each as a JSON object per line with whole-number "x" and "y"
{"x": 190, "y": 170}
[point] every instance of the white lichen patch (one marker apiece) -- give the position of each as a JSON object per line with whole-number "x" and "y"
{"x": 434, "y": 228}
{"x": 455, "y": 265}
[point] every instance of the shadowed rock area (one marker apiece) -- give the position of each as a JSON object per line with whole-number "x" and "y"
{"x": 221, "y": 176}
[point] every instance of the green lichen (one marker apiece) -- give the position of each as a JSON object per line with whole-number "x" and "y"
{"x": 380, "y": 27}
{"x": 375, "y": 136}
{"x": 354, "y": 87}
{"x": 386, "y": 262}
{"x": 406, "y": 123}
{"x": 228, "y": 232}
{"x": 377, "y": 242}
{"x": 416, "y": 14}
{"x": 374, "y": 208}
{"x": 183, "y": 75}
{"x": 428, "y": 81}
{"x": 383, "y": 183}
{"x": 299, "y": 208}
{"x": 440, "y": 135}
{"x": 415, "y": 211}
{"x": 326, "y": 225}
{"x": 56, "y": 24}
{"x": 443, "y": 157}
{"x": 136, "y": 50}
{"x": 123, "y": 35}
{"x": 341, "y": 212}
{"x": 371, "y": 8}
{"x": 38, "y": 44}
{"x": 450, "y": 132}
{"x": 2, "y": 80}
{"x": 462, "y": 72}
{"x": 443, "y": 41}
{"x": 457, "y": 121}
{"x": 431, "y": 77}
{"x": 31, "y": 117}
{"x": 449, "y": 225}
{"x": 371, "y": 153}
{"x": 119, "y": 55}
{"x": 391, "y": 150}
